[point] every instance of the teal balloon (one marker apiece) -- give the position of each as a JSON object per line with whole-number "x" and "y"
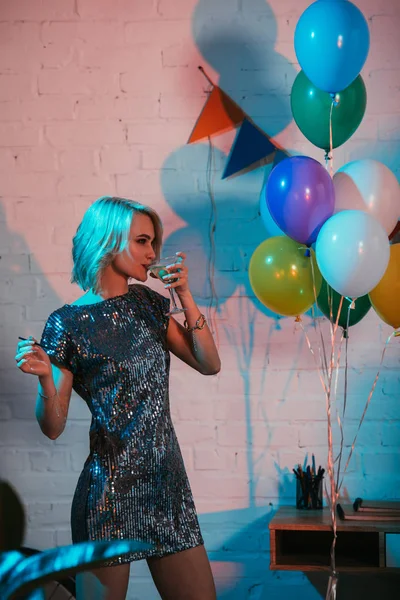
{"x": 329, "y": 299}
{"x": 311, "y": 109}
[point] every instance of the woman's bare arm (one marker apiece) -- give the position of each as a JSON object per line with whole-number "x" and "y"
{"x": 196, "y": 349}
{"x": 55, "y": 387}
{"x": 52, "y": 402}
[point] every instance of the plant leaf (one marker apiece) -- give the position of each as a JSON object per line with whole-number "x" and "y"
{"x": 32, "y": 572}
{"x": 8, "y": 560}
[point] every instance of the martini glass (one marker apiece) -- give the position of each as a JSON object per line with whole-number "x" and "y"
{"x": 159, "y": 270}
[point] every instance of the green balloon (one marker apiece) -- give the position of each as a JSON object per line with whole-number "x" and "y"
{"x": 311, "y": 109}
{"x": 328, "y": 298}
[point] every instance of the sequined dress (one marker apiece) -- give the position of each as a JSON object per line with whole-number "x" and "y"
{"x": 133, "y": 484}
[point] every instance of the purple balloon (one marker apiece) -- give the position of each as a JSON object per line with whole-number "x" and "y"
{"x": 300, "y": 197}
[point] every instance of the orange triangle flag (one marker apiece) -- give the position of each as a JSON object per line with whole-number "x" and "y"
{"x": 220, "y": 114}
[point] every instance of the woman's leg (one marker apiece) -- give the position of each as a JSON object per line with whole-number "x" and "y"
{"x": 88, "y": 587}
{"x": 183, "y": 576}
{"x": 114, "y": 579}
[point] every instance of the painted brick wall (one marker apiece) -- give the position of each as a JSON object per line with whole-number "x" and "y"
{"x": 99, "y": 97}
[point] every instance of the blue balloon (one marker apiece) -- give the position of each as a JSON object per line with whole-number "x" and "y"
{"x": 300, "y": 197}
{"x": 331, "y": 43}
{"x": 272, "y": 228}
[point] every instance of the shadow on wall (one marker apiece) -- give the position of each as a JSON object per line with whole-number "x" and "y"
{"x": 26, "y": 299}
{"x": 238, "y": 226}
{"x": 238, "y": 40}
{"x": 240, "y": 46}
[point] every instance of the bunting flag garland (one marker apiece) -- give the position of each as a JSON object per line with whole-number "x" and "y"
{"x": 251, "y": 145}
{"x": 220, "y": 114}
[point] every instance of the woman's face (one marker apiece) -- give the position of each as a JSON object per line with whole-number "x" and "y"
{"x": 134, "y": 261}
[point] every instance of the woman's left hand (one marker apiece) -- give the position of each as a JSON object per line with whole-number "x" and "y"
{"x": 177, "y": 277}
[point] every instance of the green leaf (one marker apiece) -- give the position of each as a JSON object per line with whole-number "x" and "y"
{"x": 24, "y": 575}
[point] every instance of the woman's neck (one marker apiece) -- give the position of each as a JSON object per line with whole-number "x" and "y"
{"x": 112, "y": 283}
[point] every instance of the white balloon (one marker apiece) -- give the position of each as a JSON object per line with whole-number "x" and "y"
{"x": 370, "y": 186}
{"x": 269, "y": 223}
{"x": 352, "y": 252}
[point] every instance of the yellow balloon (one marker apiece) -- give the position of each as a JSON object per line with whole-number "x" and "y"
{"x": 385, "y": 297}
{"x": 282, "y": 276}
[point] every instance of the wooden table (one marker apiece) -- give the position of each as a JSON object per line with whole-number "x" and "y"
{"x": 301, "y": 540}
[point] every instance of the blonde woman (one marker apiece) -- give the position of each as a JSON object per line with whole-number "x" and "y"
{"x": 112, "y": 346}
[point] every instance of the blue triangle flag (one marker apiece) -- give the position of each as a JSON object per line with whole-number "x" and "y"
{"x": 250, "y": 146}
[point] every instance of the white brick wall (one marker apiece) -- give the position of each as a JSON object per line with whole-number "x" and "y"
{"x": 99, "y": 97}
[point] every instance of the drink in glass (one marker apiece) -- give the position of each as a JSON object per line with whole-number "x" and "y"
{"x": 159, "y": 270}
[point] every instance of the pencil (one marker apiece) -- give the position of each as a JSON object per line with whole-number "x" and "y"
{"x": 25, "y": 339}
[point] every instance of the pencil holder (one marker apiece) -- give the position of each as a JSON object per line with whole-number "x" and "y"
{"x": 309, "y": 493}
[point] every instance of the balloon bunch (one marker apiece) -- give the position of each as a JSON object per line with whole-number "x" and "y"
{"x": 349, "y": 217}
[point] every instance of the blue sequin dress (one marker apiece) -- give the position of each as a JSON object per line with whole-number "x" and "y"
{"x": 133, "y": 484}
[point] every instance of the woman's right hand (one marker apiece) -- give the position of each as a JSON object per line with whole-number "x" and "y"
{"x": 32, "y": 359}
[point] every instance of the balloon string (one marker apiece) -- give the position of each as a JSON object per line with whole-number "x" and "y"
{"x": 340, "y": 421}
{"x": 330, "y": 303}
{"x": 332, "y": 588}
{"x": 335, "y": 394}
{"x": 322, "y": 354}
{"x": 331, "y": 469}
{"x": 331, "y": 138}
{"x": 327, "y": 370}
{"x": 331, "y": 592}
{"x": 366, "y": 406}
{"x": 329, "y": 153}
{"x": 333, "y": 325}
{"x": 333, "y": 502}
{"x": 206, "y": 76}
{"x": 323, "y": 383}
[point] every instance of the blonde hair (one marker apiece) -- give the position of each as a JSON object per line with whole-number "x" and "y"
{"x": 103, "y": 234}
